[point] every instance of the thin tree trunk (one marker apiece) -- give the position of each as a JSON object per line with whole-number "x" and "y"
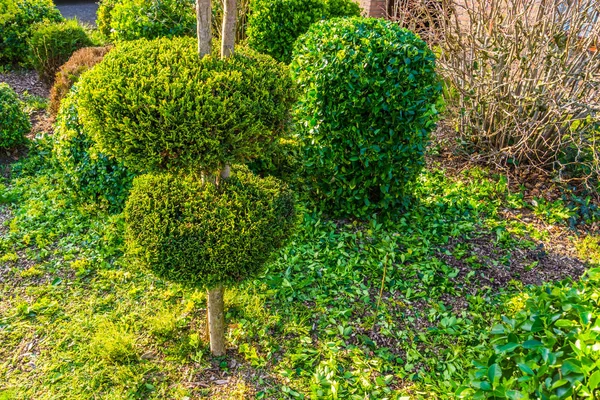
{"x": 203, "y": 26}
{"x": 216, "y": 320}
{"x": 229, "y": 22}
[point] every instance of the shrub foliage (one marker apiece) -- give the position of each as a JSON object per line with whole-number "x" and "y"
{"x": 202, "y": 235}
{"x": 14, "y": 122}
{"x": 16, "y": 19}
{"x": 150, "y": 19}
{"x": 69, "y": 73}
{"x": 51, "y": 45}
{"x": 367, "y": 107}
{"x": 154, "y": 103}
{"x": 274, "y": 25}
{"x": 90, "y": 174}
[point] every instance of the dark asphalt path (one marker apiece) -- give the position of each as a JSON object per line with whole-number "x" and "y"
{"x": 83, "y": 11}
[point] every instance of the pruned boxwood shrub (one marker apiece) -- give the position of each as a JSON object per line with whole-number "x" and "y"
{"x": 274, "y": 25}
{"x": 90, "y": 174}
{"x": 366, "y": 109}
{"x": 16, "y": 20}
{"x": 51, "y": 45}
{"x": 202, "y": 235}
{"x": 283, "y": 160}
{"x": 154, "y": 103}
{"x": 69, "y": 73}
{"x": 14, "y": 122}
{"x": 150, "y": 19}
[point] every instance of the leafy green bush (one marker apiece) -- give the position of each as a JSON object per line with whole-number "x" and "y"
{"x": 283, "y": 161}
{"x": 154, "y": 103}
{"x": 51, "y": 45}
{"x": 69, "y": 73}
{"x": 549, "y": 350}
{"x": 274, "y": 25}
{"x": 89, "y": 173}
{"x": 150, "y": 19}
{"x": 202, "y": 235}
{"x": 16, "y": 20}
{"x": 14, "y": 122}
{"x": 367, "y": 107}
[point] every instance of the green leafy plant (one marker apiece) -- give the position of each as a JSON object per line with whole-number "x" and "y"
{"x": 156, "y": 104}
{"x": 91, "y": 175}
{"x": 14, "y": 122}
{"x": 202, "y": 235}
{"x": 367, "y": 106}
{"x": 17, "y": 18}
{"x": 69, "y": 73}
{"x": 150, "y": 19}
{"x": 51, "y": 45}
{"x": 547, "y": 350}
{"x": 274, "y": 25}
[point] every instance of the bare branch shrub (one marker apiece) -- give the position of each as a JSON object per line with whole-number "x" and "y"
{"x": 523, "y": 78}
{"x": 524, "y": 81}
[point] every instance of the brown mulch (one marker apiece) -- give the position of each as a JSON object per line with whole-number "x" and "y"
{"x": 25, "y": 81}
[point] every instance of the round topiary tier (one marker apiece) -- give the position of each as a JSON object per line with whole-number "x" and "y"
{"x": 204, "y": 235}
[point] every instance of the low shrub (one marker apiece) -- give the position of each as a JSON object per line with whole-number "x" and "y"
{"x": 154, "y": 103}
{"x": 69, "y": 73}
{"x": 202, "y": 235}
{"x": 548, "y": 350}
{"x": 103, "y": 19}
{"x": 91, "y": 175}
{"x": 14, "y": 122}
{"x": 274, "y": 25}
{"x": 51, "y": 45}
{"x": 150, "y": 19}
{"x": 367, "y": 107}
{"x": 16, "y": 20}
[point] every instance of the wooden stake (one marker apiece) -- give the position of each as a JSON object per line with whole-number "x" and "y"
{"x": 229, "y": 22}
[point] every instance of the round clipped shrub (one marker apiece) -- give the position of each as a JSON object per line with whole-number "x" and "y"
{"x": 203, "y": 235}
{"x": 14, "y": 122}
{"x": 51, "y": 45}
{"x": 154, "y": 103}
{"x": 90, "y": 174}
{"x": 274, "y": 25}
{"x": 150, "y": 19}
{"x": 282, "y": 161}
{"x": 69, "y": 73}
{"x": 367, "y": 107}
{"x": 16, "y": 19}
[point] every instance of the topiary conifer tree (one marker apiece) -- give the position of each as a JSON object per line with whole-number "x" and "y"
{"x": 188, "y": 115}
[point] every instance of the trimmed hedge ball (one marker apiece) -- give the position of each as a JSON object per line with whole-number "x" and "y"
{"x": 14, "y": 122}
{"x": 90, "y": 174}
{"x": 202, "y": 235}
{"x": 51, "y": 45}
{"x": 368, "y": 93}
{"x": 156, "y": 104}
{"x": 16, "y": 20}
{"x": 274, "y": 25}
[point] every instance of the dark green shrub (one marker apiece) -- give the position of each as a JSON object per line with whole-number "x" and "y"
{"x": 150, "y": 19}
{"x": 283, "y": 161}
{"x": 154, "y": 103}
{"x": 202, "y": 235}
{"x": 16, "y": 20}
{"x": 14, "y": 122}
{"x": 69, "y": 73}
{"x": 274, "y": 25}
{"x": 548, "y": 350}
{"x": 51, "y": 45}
{"x": 90, "y": 174}
{"x": 367, "y": 107}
